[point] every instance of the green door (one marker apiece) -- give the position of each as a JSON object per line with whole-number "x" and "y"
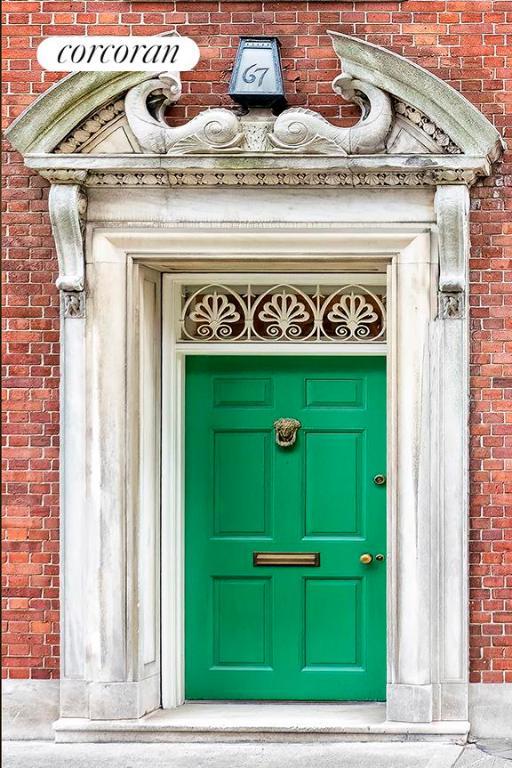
{"x": 295, "y": 632}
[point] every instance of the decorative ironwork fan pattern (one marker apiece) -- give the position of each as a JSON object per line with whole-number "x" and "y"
{"x": 277, "y": 313}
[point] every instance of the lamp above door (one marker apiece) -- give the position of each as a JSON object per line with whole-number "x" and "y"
{"x": 257, "y": 79}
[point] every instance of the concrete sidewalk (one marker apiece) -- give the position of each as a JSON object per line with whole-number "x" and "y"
{"x": 37, "y": 754}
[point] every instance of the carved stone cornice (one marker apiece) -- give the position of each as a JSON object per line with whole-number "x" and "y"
{"x": 258, "y": 178}
{"x": 258, "y": 169}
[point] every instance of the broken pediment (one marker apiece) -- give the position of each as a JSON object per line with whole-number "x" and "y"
{"x": 411, "y": 123}
{"x": 128, "y": 126}
{"x": 402, "y": 129}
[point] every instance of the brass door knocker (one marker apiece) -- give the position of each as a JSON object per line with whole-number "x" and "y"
{"x": 286, "y": 431}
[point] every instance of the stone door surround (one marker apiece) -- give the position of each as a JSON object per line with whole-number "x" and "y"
{"x": 132, "y": 197}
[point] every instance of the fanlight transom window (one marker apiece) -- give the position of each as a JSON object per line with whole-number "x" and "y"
{"x": 283, "y": 312}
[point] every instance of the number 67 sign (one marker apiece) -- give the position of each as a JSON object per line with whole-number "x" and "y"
{"x": 257, "y": 78}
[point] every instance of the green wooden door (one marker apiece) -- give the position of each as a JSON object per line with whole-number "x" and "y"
{"x": 292, "y": 632}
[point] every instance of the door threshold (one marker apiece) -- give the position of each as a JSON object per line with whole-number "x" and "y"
{"x": 253, "y": 722}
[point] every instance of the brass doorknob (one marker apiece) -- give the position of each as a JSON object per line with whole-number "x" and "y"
{"x": 366, "y": 559}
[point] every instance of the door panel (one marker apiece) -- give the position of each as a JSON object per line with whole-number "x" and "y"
{"x": 334, "y": 393}
{"x": 333, "y": 499}
{"x": 332, "y": 622}
{"x": 242, "y": 489}
{"x": 285, "y": 632}
{"x": 242, "y": 620}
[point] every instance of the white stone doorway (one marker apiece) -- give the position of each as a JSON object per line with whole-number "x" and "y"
{"x": 123, "y": 350}
{"x": 133, "y": 198}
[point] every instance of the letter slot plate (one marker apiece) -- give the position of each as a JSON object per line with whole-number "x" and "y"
{"x": 311, "y": 559}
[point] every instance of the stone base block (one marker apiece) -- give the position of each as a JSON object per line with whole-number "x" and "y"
{"x": 490, "y": 710}
{"x": 29, "y": 708}
{"x": 410, "y": 703}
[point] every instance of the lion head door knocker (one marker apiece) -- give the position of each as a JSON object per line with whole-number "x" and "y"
{"x": 286, "y": 431}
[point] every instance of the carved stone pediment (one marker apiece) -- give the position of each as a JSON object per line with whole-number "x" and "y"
{"x": 117, "y": 129}
{"x": 395, "y": 119}
{"x": 137, "y": 123}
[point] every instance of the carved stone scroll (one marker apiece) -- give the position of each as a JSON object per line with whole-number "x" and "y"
{"x": 305, "y": 131}
{"x": 213, "y": 129}
{"x": 452, "y": 208}
{"x": 68, "y": 206}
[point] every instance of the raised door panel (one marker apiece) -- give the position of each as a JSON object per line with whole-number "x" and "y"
{"x": 242, "y": 391}
{"x": 334, "y": 393}
{"x": 242, "y": 622}
{"x": 332, "y": 623}
{"x": 242, "y": 483}
{"x": 333, "y": 497}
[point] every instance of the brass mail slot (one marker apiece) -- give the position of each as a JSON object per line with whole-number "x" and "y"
{"x": 286, "y": 558}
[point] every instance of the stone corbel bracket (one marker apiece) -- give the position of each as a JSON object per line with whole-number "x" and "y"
{"x": 452, "y": 210}
{"x": 68, "y": 207}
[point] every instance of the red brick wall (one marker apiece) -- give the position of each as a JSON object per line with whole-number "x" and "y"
{"x": 464, "y": 43}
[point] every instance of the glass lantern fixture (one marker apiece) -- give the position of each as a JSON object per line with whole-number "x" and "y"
{"x": 257, "y": 79}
